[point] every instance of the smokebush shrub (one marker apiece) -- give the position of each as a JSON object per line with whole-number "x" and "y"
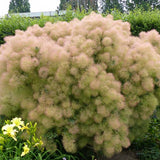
{"x": 88, "y": 81}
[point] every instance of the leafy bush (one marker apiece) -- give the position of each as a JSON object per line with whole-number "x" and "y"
{"x": 8, "y": 25}
{"x": 148, "y": 146}
{"x": 89, "y": 81}
{"x": 140, "y": 20}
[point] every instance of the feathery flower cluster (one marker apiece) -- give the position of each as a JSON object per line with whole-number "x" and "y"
{"x": 90, "y": 80}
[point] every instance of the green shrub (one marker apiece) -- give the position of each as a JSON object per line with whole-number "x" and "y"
{"x": 140, "y": 20}
{"x": 8, "y": 25}
{"x": 148, "y": 146}
{"x": 89, "y": 81}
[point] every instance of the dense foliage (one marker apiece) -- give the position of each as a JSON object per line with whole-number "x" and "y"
{"x": 9, "y": 25}
{"x": 109, "y": 5}
{"x": 80, "y": 4}
{"x": 145, "y": 4}
{"x": 128, "y": 5}
{"x": 19, "y": 6}
{"x": 140, "y": 20}
{"x": 75, "y": 80}
{"x": 148, "y": 146}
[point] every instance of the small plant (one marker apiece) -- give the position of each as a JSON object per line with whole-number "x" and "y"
{"x": 19, "y": 141}
{"x": 11, "y": 142}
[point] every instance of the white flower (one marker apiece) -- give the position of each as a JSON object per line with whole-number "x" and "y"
{"x": 9, "y": 130}
{"x": 18, "y": 122}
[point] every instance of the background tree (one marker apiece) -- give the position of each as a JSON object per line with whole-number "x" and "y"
{"x": 145, "y": 4}
{"x": 86, "y": 4}
{"x": 19, "y": 6}
{"x": 108, "y": 5}
{"x": 63, "y": 4}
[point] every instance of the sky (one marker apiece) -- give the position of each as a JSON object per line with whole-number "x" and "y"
{"x": 36, "y": 6}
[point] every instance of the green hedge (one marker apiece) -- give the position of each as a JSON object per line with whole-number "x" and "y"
{"x": 140, "y": 21}
{"x": 9, "y": 25}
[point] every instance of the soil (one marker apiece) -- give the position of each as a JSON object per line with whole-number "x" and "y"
{"x": 124, "y": 155}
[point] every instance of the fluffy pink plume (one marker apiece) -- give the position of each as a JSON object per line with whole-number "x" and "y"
{"x": 90, "y": 80}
